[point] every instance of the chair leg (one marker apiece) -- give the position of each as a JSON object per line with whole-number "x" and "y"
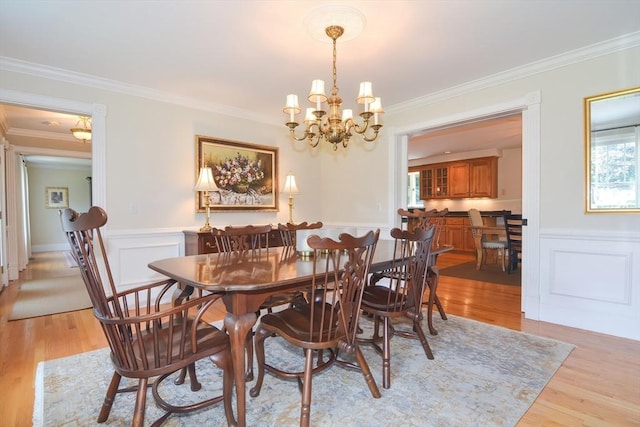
{"x": 141, "y": 400}
{"x": 366, "y": 372}
{"x": 386, "y": 354}
{"x": 423, "y": 339}
{"x": 195, "y": 384}
{"x": 110, "y": 396}
{"x": 305, "y": 406}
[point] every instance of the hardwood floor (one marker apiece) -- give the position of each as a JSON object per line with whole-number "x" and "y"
{"x": 598, "y": 384}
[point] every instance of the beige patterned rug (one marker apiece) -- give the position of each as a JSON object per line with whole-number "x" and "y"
{"x": 482, "y": 375}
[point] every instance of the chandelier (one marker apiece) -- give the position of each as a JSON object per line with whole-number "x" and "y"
{"x": 82, "y": 133}
{"x": 336, "y": 127}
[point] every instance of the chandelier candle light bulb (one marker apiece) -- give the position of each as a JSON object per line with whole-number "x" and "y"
{"x": 335, "y": 126}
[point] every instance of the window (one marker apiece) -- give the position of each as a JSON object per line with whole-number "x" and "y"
{"x": 413, "y": 191}
{"x": 614, "y": 178}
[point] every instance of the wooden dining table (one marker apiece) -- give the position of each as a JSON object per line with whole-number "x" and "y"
{"x": 245, "y": 282}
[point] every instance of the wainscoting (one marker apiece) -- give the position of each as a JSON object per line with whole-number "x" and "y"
{"x": 587, "y": 280}
{"x": 591, "y": 281}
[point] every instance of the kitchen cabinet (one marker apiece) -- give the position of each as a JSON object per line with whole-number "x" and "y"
{"x": 426, "y": 183}
{"x": 457, "y": 233}
{"x": 483, "y": 177}
{"x": 434, "y": 182}
{"x": 453, "y": 232}
{"x": 458, "y": 180}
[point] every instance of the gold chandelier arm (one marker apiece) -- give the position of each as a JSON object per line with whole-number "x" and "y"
{"x": 376, "y": 129}
{"x": 312, "y": 137}
{"x": 292, "y": 129}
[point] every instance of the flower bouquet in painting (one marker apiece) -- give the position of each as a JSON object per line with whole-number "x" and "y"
{"x": 239, "y": 174}
{"x": 246, "y": 175}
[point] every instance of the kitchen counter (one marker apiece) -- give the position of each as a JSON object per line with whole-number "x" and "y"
{"x": 456, "y": 214}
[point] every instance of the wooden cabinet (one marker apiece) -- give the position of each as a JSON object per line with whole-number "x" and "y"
{"x": 461, "y": 179}
{"x": 441, "y": 181}
{"x": 453, "y": 232}
{"x": 483, "y": 177}
{"x": 201, "y": 242}
{"x": 426, "y": 183}
{"x": 434, "y": 182}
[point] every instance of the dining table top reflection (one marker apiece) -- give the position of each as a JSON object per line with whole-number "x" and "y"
{"x": 245, "y": 282}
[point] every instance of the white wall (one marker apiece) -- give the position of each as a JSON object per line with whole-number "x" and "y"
{"x": 589, "y": 270}
{"x": 46, "y": 234}
{"x": 151, "y": 169}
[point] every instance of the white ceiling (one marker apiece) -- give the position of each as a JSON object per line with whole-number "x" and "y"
{"x": 244, "y": 57}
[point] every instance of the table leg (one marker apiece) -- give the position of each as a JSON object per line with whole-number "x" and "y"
{"x": 238, "y": 327}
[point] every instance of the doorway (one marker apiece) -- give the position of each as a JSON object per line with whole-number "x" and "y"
{"x": 14, "y": 238}
{"x": 528, "y": 106}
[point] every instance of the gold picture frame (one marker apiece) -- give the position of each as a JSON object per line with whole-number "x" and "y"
{"x": 246, "y": 175}
{"x": 612, "y": 169}
{"x": 56, "y": 197}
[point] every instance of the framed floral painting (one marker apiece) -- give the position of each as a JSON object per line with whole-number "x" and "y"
{"x": 246, "y": 175}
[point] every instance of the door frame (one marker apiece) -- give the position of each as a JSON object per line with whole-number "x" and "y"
{"x": 529, "y": 106}
{"x": 14, "y": 241}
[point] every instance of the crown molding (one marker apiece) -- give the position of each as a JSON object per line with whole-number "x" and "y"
{"x": 617, "y": 44}
{"x": 41, "y": 134}
{"x": 59, "y": 74}
{"x": 589, "y": 52}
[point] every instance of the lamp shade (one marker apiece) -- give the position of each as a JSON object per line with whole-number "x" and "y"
{"x": 290, "y": 185}
{"x": 205, "y": 181}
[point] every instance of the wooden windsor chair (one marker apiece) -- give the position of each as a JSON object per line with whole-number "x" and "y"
{"x": 328, "y": 319}
{"x": 149, "y": 339}
{"x": 398, "y": 293}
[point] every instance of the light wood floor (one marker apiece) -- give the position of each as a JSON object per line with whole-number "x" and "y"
{"x": 598, "y": 384}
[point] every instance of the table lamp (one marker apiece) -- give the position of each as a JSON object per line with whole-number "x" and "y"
{"x": 291, "y": 188}
{"x": 205, "y": 184}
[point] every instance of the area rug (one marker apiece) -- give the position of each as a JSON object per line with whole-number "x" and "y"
{"x": 50, "y": 296}
{"x": 488, "y": 273}
{"x": 482, "y": 375}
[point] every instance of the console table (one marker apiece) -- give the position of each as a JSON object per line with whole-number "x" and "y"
{"x": 201, "y": 242}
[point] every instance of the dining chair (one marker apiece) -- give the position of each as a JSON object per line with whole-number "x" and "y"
{"x": 513, "y": 227}
{"x": 328, "y": 319}
{"x": 244, "y": 239}
{"x": 149, "y": 339}
{"x": 288, "y": 232}
{"x": 483, "y": 243}
{"x": 424, "y": 220}
{"x": 398, "y": 293}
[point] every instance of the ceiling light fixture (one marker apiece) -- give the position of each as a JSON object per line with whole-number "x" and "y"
{"x": 336, "y": 127}
{"x": 82, "y": 133}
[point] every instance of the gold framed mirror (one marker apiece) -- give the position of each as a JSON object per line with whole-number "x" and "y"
{"x": 612, "y": 147}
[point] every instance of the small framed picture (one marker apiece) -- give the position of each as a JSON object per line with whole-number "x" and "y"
{"x": 56, "y": 197}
